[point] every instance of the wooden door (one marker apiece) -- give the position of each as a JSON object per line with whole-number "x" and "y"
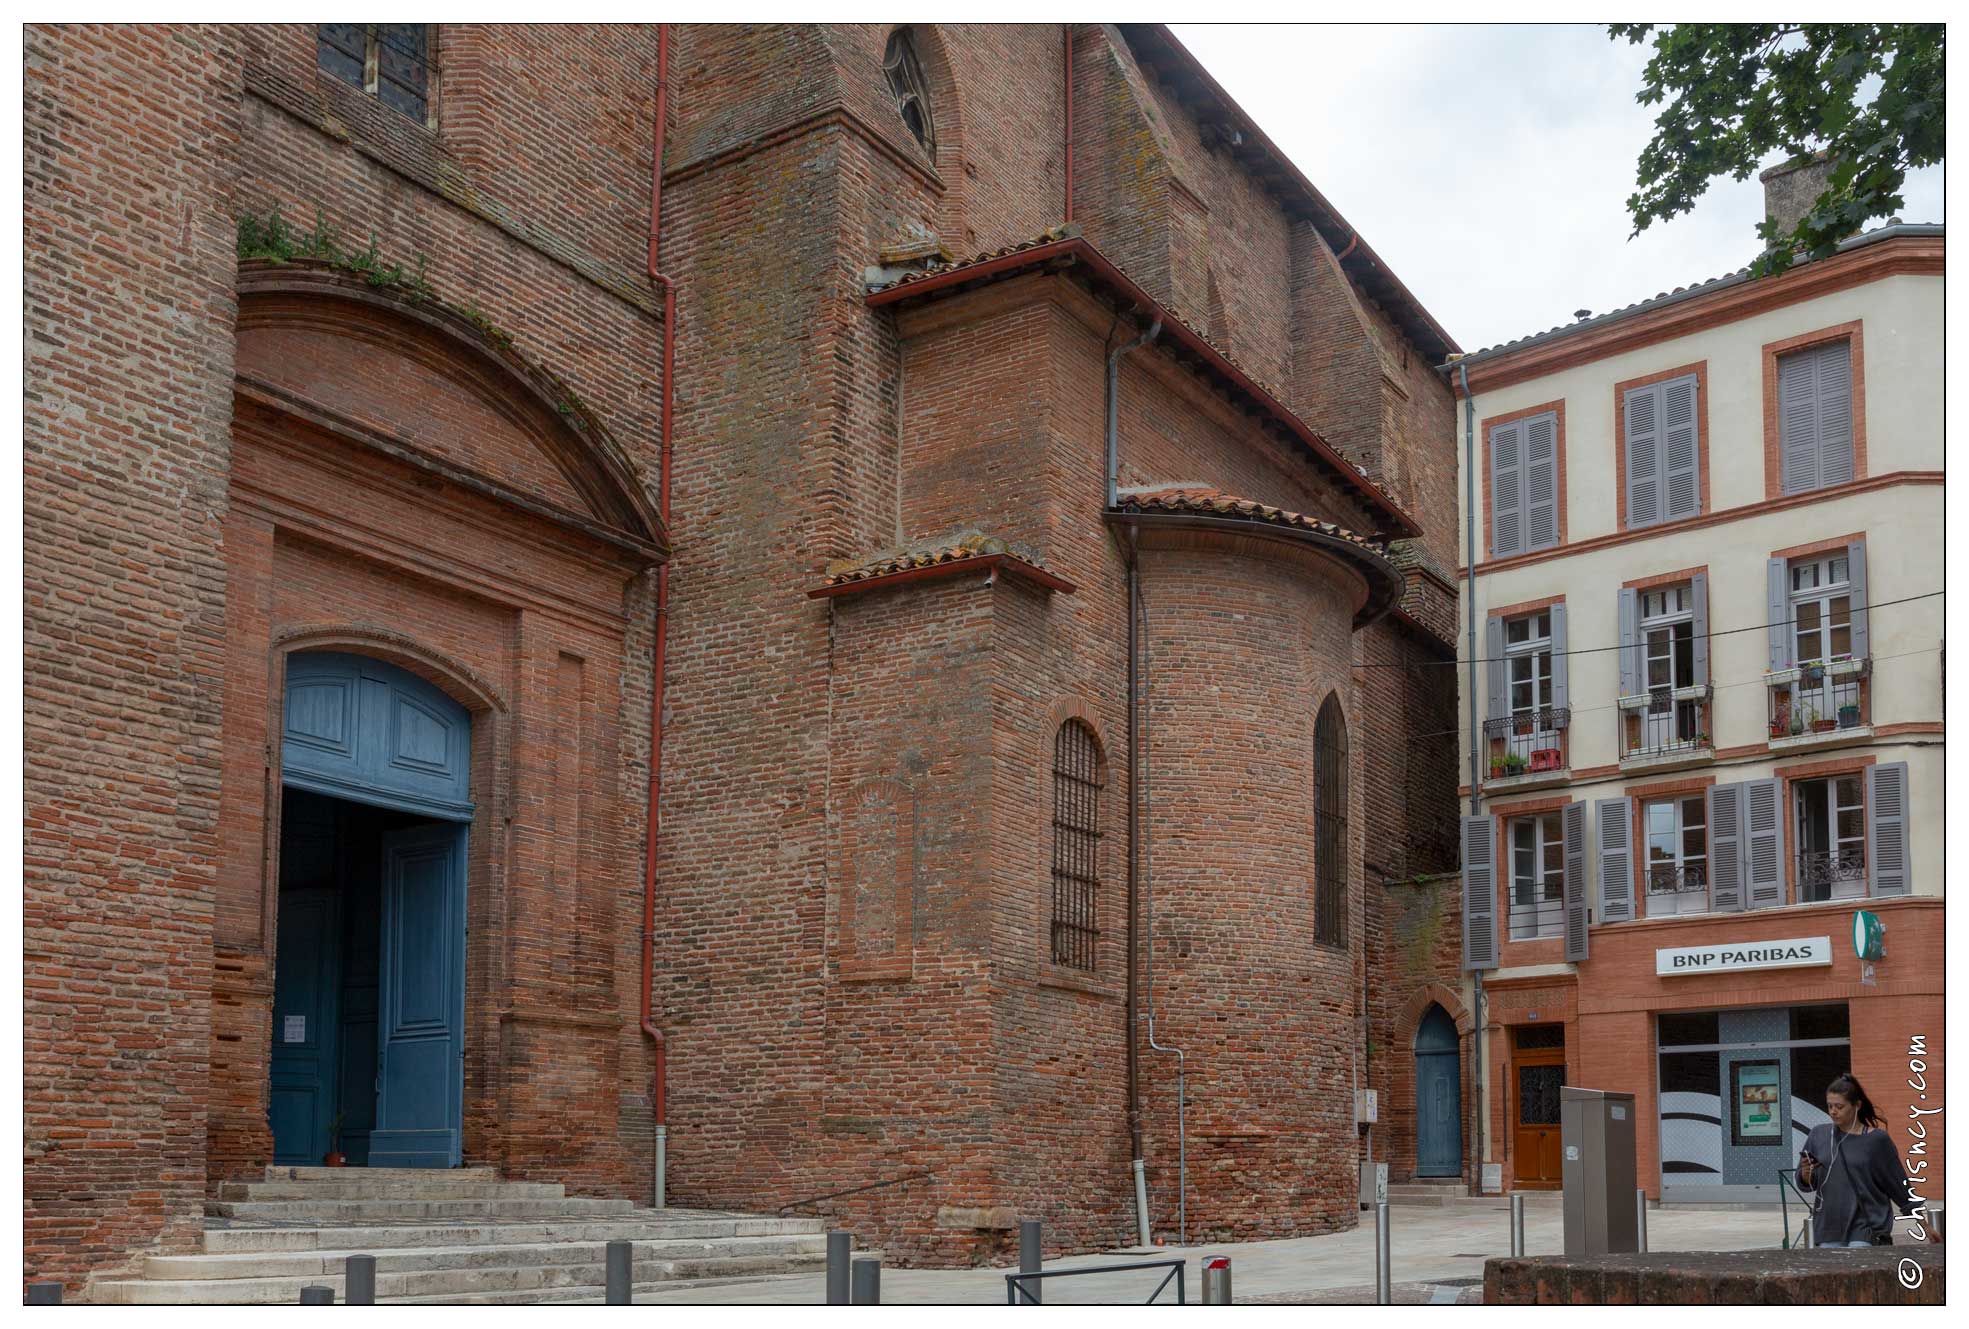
{"x": 421, "y": 994}
{"x": 1537, "y": 1074}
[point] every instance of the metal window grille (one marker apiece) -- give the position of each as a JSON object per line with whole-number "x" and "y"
{"x": 1076, "y": 845}
{"x": 1330, "y": 825}
{"x": 390, "y": 61}
{"x": 905, "y": 77}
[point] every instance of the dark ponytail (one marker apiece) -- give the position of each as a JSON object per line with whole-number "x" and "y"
{"x": 1847, "y": 1086}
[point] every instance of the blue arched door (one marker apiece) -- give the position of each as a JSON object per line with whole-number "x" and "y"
{"x": 1438, "y": 1097}
{"x": 373, "y": 955}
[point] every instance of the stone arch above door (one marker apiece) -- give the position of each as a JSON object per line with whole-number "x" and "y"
{"x": 425, "y": 384}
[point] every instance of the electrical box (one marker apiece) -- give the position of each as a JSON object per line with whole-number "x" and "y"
{"x": 1596, "y": 1131}
{"x": 1374, "y": 1184}
{"x": 1367, "y": 1107}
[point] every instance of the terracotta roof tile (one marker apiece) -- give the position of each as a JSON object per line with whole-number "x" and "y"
{"x": 964, "y": 547}
{"x": 1203, "y": 501}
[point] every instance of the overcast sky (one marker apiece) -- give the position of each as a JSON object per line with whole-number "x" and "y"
{"x": 1489, "y": 166}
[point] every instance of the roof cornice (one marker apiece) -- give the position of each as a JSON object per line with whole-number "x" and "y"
{"x": 1917, "y": 251}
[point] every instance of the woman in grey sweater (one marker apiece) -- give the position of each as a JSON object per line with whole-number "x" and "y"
{"x": 1853, "y": 1165}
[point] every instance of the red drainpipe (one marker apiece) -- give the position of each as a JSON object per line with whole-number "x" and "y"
{"x": 655, "y": 1035}
{"x": 1067, "y": 44}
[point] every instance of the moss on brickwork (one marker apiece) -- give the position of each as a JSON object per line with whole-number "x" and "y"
{"x": 274, "y": 239}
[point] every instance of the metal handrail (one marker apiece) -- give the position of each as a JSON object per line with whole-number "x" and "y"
{"x": 1014, "y": 1283}
{"x": 1788, "y": 1181}
{"x": 857, "y": 1190}
{"x": 1548, "y": 719}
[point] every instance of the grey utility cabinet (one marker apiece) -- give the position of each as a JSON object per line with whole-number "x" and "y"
{"x": 1596, "y": 1128}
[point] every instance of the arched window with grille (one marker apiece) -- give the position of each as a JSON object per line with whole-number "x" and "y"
{"x": 905, "y": 74}
{"x": 1077, "y": 774}
{"x": 1330, "y": 842}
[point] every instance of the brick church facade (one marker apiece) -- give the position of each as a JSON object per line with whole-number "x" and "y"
{"x": 389, "y": 469}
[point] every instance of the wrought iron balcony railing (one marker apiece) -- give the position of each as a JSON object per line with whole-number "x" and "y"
{"x": 1666, "y": 722}
{"x": 1527, "y": 742}
{"x": 1677, "y": 889}
{"x": 1832, "y": 874}
{"x": 1818, "y": 697}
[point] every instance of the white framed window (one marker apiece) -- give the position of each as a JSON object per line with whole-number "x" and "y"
{"x": 1668, "y": 661}
{"x": 1821, "y": 608}
{"x": 1528, "y": 662}
{"x": 1538, "y": 877}
{"x": 1675, "y": 833}
{"x": 1831, "y": 837}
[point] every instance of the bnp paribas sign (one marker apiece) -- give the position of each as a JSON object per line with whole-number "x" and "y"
{"x": 1732, "y": 957}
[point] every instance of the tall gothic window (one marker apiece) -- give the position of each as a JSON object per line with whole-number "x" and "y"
{"x": 1330, "y": 842}
{"x": 390, "y": 61}
{"x": 1076, "y": 844}
{"x": 905, "y": 76}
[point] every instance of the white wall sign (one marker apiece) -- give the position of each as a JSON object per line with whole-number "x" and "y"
{"x": 1735, "y": 956}
{"x": 294, "y": 1029}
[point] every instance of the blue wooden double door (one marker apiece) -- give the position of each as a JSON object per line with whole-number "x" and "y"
{"x": 1438, "y": 1097}
{"x": 369, "y": 977}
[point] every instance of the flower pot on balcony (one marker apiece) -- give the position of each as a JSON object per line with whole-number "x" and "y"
{"x": 1780, "y": 728}
{"x": 1497, "y": 770}
{"x": 1823, "y": 726}
{"x": 1813, "y": 674}
{"x": 1849, "y": 716}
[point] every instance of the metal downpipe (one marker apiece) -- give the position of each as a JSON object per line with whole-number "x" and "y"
{"x": 1477, "y": 1149}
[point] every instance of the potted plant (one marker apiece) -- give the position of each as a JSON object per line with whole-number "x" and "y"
{"x": 333, "y": 1158}
{"x": 1702, "y": 739}
{"x": 1497, "y": 768}
{"x": 1514, "y": 763}
{"x": 1812, "y": 671}
{"x": 1849, "y": 715}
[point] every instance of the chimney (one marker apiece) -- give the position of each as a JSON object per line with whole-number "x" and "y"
{"x": 1791, "y": 188}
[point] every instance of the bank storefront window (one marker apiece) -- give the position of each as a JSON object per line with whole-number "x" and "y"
{"x": 1740, "y": 1090}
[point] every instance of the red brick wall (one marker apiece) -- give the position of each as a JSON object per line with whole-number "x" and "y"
{"x": 807, "y": 744}
{"x": 128, "y": 404}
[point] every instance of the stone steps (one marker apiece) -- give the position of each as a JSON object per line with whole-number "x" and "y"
{"x": 366, "y": 1189}
{"x": 406, "y": 1259}
{"x": 363, "y": 1211}
{"x": 458, "y": 1235}
{"x": 473, "y": 1282}
{"x": 639, "y": 1225}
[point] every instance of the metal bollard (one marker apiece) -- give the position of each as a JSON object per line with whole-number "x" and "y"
{"x": 359, "y": 1281}
{"x": 866, "y": 1279}
{"x": 1029, "y": 1260}
{"x": 621, "y": 1272}
{"x": 1217, "y": 1281}
{"x": 840, "y": 1248}
{"x": 1518, "y": 1226}
{"x": 317, "y": 1296}
{"x": 1384, "y": 1291}
{"x": 1640, "y": 1220}
{"x": 44, "y": 1294}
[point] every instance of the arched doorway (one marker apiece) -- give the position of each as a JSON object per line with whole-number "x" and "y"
{"x": 1438, "y": 1096}
{"x": 369, "y": 978}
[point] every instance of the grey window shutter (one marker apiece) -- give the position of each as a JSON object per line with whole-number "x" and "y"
{"x": 1726, "y": 847}
{"x": 1630, "y": 642}
{"x": 1496, "y": 670}
{"x": 1778, "y": 606}
{"x": 1887, "y": 867}
{"x": 1572, "y": 822}
{"x": 1699, "y": 626}
{"x": 1615, "y": 817}
{"x": 1763, "y": 843}
{"x": 1560, "y": 689}
{"x": 1507, "y": 490}
{"x": 1681, "y": 485}
{"x": 1643, "y": 407}
{"x": 1798, "y": 422}
{"x": 1479, "y": 893}
{"x": 1835, "y": 411}
{"x": 1856, "y": 573}
{"x": 1541, "y": 481}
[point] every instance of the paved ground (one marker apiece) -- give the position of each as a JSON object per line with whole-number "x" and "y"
{"x": 1436, "y": 1254}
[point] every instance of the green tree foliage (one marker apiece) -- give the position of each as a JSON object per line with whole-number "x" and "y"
{"x": 1737, "y": 92}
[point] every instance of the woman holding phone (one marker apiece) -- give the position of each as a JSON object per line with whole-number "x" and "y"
{"x": 1853, "y": 1165}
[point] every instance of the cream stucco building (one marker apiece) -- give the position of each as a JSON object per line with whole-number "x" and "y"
{"x": 1704, "y": 726}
